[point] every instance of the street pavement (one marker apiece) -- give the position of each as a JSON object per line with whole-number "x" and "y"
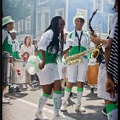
{"x": 24, "y": 104}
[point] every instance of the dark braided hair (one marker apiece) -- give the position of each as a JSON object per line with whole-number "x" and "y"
{"x": 115, "y": 4}
{"x": 55, "y": 41}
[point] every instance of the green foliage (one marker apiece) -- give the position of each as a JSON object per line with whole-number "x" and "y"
{"x": 17, "y": 9}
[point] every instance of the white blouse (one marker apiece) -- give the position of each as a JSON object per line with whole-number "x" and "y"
{"x": 45, "y": 40}
{"x": 29, "y": 49}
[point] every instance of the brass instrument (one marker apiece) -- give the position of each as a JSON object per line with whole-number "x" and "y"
{"x": 99, "y": 52}
{"x": 76, "y": 58}
{"x": 96, "y": 51}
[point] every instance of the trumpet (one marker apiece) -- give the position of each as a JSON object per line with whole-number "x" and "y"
{"x": 77, "y": 58}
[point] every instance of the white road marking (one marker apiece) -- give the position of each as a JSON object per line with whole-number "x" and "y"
{"x": 35, "y": 105}
{"x": 32, "y": 104}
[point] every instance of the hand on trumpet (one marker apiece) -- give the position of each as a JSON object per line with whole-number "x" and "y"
{"x": 41, "y": 65}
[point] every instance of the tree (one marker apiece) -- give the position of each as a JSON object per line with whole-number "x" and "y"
{"x": 17, "y": 9}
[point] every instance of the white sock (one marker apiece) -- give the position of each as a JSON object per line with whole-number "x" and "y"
{"x": 42, "y": 101}
{"x": 112, "y": 111}
{"x": 113, "y": 115}
{"x": 57, "y": 95}
{"x": 79, "y": 95}
{"x": 67, "y": 94}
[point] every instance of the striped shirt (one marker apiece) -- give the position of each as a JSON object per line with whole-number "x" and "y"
{"x": 113, "y": 61}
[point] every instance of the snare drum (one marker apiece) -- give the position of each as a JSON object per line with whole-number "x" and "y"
{"x": 92, "y": 74}
{"x": 22, "y": 76}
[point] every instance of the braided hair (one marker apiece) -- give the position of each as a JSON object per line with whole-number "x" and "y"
{"x": 55, "y": 40}
{"x": 115, "y": 4}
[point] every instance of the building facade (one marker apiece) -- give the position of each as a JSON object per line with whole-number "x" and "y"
{"x": 45, "y": 10}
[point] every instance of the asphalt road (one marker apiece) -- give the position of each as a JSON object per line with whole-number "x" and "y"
{"x": 23, "y": 105}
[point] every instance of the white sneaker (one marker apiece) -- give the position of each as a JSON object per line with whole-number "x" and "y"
{"x": 24, "y": 86}
{"x": 79, "y": 108}
{"x": 28, "y": 89}
{"x": 7, "y": 98}
{"x": 41, "y": 116}
{"x": 59, "y": 117}
{"x": 5, "y": 101}
{"x": 64, "y": 106}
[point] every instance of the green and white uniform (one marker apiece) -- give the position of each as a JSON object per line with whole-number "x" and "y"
{"x": 7, "y": 46}
{"x": 50, "y": 72}
{"x": 6, "y": 41}
{"x": 81, "y": 68}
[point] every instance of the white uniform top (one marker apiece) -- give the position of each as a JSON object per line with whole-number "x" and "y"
{"x": 45, "y": 40}
{"x": 4, "y": 34}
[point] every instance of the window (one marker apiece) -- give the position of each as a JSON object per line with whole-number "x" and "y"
{"x": 39, "y": 22}
{"x": 98, "y": 4}
{"x": 60, "y": 12}
{"x": 84, "y": 12}
{"x": 28, "y": 24}
{"x": 18, "y": 26}
{"x": 42, "y": 21}
{"x": 110, "y": 17}
{"x": 21, "y": 25}
{"x": 46, "y": 20}
{"x": 111, "y": 1}
{"x": 43, "y": 1}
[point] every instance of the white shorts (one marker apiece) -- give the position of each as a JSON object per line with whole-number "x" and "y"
{"x": 102, "y": 78}
{"x": 48, "y": 74}
{"x": 78, "y": 71}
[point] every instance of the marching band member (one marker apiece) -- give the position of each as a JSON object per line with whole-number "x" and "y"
{"x": 7, "y": 25}
{"x": 50, "y": 47}
{"x": 111, "y": 110}
{"x": 15, "y": 47}
{"x": 77, "y": 72}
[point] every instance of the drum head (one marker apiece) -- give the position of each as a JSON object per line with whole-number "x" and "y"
{"x": 32, "y": 65}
